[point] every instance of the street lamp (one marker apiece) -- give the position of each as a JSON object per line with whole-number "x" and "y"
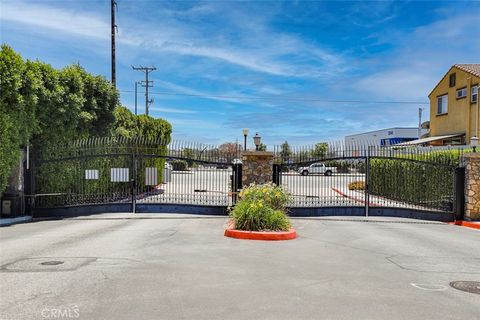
{"x": 256, "y": 140}
{"x": 474, "y": 143}
{"x": 245, "y": 134}
{"x": 420, "y": 122}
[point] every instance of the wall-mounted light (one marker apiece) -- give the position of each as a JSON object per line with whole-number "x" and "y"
{"x": 256, "y": 140}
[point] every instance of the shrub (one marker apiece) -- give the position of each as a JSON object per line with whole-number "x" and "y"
{"x": 261, "y": 208}
{"x": 179, "y": 165}
{"x": 413, "y": 182}
{"x": 356, "y": 185}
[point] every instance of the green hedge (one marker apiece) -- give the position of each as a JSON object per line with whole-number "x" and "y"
{"x": 47, "y": 107}
{"x": 41, "y": 106}
{"x": 413, "y": 182}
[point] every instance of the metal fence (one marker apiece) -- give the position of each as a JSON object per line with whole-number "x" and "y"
{"x": 369, "y": 176}
{"x": 136, "y": 171}
{"x": 153, "y": 171}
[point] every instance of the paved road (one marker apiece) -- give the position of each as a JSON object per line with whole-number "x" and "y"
{"x": 118, "y": 266}
{"x": 213, "y": 186}
{"x": 320, "y": 190}
{"x": 198, "y": 186}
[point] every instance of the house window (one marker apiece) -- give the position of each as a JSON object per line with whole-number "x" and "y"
{"x": 475, "y": 93}
{"x": 453, "y": 80}
{"x": 442, "y": 104}
{"x": 461, "y": 93}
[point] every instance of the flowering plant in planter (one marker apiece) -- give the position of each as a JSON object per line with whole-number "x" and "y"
{"x": 261, "y": 208}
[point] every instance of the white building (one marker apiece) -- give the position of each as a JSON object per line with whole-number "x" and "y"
{"x": 383, "y": 137}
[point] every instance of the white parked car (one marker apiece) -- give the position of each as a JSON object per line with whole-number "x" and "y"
{"x": 317, "y": 168}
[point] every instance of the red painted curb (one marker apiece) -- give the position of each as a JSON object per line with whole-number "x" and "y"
{"x": 466, "y": 224}
{"x": 343, "y": 194}
{"x": 260, "y": 235}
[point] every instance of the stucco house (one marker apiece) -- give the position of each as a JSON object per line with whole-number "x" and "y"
{"x": 454, "y": 106}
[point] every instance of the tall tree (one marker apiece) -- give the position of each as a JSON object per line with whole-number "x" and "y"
{"x": 229, "y": 150}
{"x": 320, "y": 150}
{"x": 285, "y": 152}
{"x": 262, "y": 147}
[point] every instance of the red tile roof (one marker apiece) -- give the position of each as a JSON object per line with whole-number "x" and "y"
{"x": 473, "y": 68}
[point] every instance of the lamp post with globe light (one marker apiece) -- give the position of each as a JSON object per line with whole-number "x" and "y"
{"x": 474, "y": 143}
{"x": 245, "y": 134}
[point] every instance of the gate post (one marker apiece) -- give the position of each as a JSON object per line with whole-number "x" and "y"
{"x": 459, "y": 205}
{"x": 472, "y": 186}
{"x": 236, "y": 181}
{"x": 29, "y": 185}
{"x": 277, "y": 169}
{"x": 367, "y": 183}
{"x": 257, "y": 167}
{"x": 133, "y": 183}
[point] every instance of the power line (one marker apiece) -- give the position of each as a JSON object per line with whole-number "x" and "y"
{"x": 283, "y": 98}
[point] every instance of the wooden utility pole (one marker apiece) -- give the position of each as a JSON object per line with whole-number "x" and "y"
{"x": 147, "y": 83}
{"x": 113, "y": 5}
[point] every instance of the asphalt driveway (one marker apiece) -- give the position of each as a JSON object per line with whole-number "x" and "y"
{"x": 125, "y": 266}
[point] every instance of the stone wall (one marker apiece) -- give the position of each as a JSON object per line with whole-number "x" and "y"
{"x": 472, "y": 186}
{"x": 257, "y": 167}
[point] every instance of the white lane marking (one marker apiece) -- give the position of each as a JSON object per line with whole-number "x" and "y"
{"x": 429, "y": 287}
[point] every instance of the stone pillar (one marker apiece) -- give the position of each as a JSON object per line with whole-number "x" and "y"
{"x": 472, "y": 186}
{"x": 257, "y": 167}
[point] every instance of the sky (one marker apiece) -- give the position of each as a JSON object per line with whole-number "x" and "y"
{"x": 300, "y": 71}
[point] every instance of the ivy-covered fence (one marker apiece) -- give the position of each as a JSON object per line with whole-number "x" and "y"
{"x": 412, "y": 177}
{"x": 81, "y": 172}
{"x": 125, "y": 170}
{"x": 419, "y": 177}
{"x": 415, "y": 182}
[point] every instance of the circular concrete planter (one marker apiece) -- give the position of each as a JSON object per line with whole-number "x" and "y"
{"x": 260, "y": 235}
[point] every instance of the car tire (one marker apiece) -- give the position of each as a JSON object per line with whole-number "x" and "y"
{"x": 304, "y": 173}
{"x": 328, "y": 173}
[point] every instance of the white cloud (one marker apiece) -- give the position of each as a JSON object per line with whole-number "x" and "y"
{"x": 422, "y": 58}
{"x": 55, "y": 19}
{"x": 193, "y": 123}
{"x": 225, "y": 96}
{"x": 255, "y": 47}
{"x": 398, "y": 84}
{"x": 162, "y": 109}
{"x": 284, "y": 55}
{"x": 244, "y": 59}
{"x": 369, "y": 13}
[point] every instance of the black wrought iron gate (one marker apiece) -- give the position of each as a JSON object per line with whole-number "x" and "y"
{"x": 117, "y": 174}
{"x": 134, "y": 174}
{"x": 370, "y": 180}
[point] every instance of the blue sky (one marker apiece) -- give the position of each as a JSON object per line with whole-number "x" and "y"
{"x": 279, "y": 68}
